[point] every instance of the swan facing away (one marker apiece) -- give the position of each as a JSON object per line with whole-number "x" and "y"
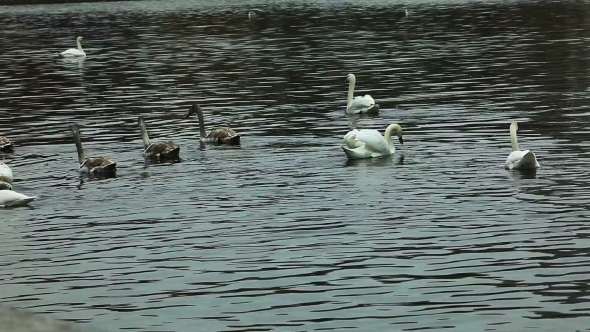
{"x": 368, "y": 143}
{"x": 5, "y": 177}
{"x": 6, "y": 144}
{"x": 92, "y": 165}
{"x": 519, "y": 159}
{"x": 360, "y": 104}
{"x": 9, "y": 198}
{"x": 222, "y": 135}
{"x": 74, "y": 52}
{"x": 157, "y": 150}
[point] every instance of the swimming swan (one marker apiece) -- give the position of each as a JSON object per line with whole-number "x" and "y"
{"x": 5, "y": 177}
{"x": 360, "y": 104}
{"x": 73, "y": 52}
{"x": 368, "y": 143}
{"x": 157, "y": 150}
{"x": 9, "y": 198}
{"x": 223, "y": 135}
{"x": 94, "y": 165}
{"x": 5, "y": 144}
{"x": 519, "y": 159}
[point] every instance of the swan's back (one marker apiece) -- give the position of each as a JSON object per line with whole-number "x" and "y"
{"x": 521, "y": 160}
{"x": 100, "y": 165}
{"x": 5, "y": 173}
{"x": 374, "y": 141}
{"x": 12, "y": 198}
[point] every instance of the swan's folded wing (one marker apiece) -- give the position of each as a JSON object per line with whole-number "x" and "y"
{"x": 373, "y": 140}
{"x": 362, "y": 103}
{"x": 72, "y": 52}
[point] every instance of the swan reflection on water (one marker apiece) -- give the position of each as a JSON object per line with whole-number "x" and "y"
{"x": 383, "y": 161}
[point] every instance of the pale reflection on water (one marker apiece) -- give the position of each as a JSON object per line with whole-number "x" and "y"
{"x": 282, "y": 232}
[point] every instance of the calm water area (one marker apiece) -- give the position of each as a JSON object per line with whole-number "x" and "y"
{"x": 283, "y": 233}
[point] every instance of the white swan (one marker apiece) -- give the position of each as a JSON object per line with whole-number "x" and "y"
{"x": 519, "y": 159}
{"x": 5, "y": 177}
{"x": 9, "y": 198}
{"x": 368, "y": 143}
{"x": 73, "y": 52}
{"x": 93, "y": 165}
{"x": 360, "y": 104}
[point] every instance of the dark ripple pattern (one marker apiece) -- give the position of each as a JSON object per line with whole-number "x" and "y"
{"x": 283, "y": 233}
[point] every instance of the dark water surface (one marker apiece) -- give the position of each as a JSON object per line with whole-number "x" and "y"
{"x": 283, "y": 233}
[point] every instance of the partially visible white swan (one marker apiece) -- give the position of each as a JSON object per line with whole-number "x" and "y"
{"x": 73, "y": 52}
{"x": 5, "y": 177}
{"x": 9, "y": 198}
{"x": 368, "y": 143}
{"x": 360, "y": 104}
{"x": 519, "y": 159}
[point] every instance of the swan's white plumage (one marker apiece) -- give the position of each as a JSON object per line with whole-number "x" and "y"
{"x": 5, "y": 172}
{"x": 519, "y": 159}
{"x": 9, "y": 198}
{"x": 360, "y": 104}
{"x": 522, "y": 160}
{"x": 74, "y": 52}
{"x": 369, "y": 143}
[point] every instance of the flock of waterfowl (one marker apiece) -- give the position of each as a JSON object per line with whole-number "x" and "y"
{"x": 357, "y": 144}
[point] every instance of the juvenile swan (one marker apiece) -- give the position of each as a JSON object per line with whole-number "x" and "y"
{"x": 157, "y": 150}
{"x": 5, "y": 144}
{"x": 5, "y": 177}
{"x": 368, "y": 143}
{"x": 223, "y": 135}
{"x": 92, "y": 165}
{"x": 360, "y": 104}
{"x": 519, "y": 159}
{"x": 9, "y": 198}
{"x": 74, "y": 52}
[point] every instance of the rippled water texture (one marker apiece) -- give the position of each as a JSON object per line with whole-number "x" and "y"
{"x": 283, "y": 233}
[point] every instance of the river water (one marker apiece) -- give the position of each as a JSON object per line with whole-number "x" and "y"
{"x": 283, "y": 233}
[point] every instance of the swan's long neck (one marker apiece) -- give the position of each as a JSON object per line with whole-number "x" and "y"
{"x": 144, "y": 133}
{"x": 78, "y": 142}
{"x": 513, "y": 139}
{"x": 351, "y": 83}
{"x": 203, "y": 133}
{"x": 79, "y": 45}
{"x": 391, "y": 128}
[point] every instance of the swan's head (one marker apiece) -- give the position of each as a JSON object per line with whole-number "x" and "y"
{"x": 251, "y": 14}
{"x": 350, "y": 78}
{"x": 76, "y": 129}
{"x": 192, "y": 110}
{"x": 397, "y": 130}
{"x": 79, "y": 39}
{"x": 514, "y": 126}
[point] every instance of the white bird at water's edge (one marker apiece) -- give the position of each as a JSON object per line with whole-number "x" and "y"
{"x": 74, "y": 52}
{"x": 519, "y": 159}
{"x": 369, "y": 143}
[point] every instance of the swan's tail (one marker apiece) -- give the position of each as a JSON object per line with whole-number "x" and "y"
{"x": 528, "y": 160}
{"x": 374, "y": 109}
{"x": 171, "y": 154}
{"x": 7, "y": 147}
{"x": 234, "y": 140}
{"x": 5, "y": 185}
{"x": 107, "y": 169}
{"x": 20, "y": 202}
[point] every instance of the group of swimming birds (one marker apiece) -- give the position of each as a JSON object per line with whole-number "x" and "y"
{"x": 357, "y": 144}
